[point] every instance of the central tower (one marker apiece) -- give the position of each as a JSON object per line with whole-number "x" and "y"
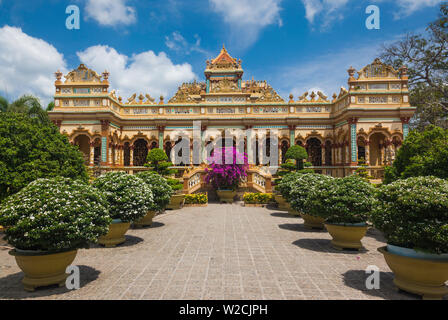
{"x": 223, "y": 74}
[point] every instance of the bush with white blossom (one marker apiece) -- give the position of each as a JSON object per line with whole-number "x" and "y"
{"x": 302, "y": 186}
{"x": 54, "y": 215}
{"x": 160, "y": 188}
{"x": 413, "y": 213}
{"x": 129, "y": 197}
{"x": 286, "y": 183}
{"x": 341, "y": 200}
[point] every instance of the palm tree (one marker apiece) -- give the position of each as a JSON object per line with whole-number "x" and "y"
{"x": 27, "y": 104}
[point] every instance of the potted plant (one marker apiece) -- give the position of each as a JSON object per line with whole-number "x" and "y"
{"x": 177, "y": 198}
{"x": 226, "y": 169}
{"x": 299, "y": 191}
{"x": 47, "y": 222}
{"x": 283, "y": 189}
{"x": 161, "y": 191}
{"x": 413, "y": 215}
{"x": 297, "y": 154}
{"x": 196, "y": 200}
{"x": 344, "y": 203}
{"x": 129, "y": 199}
{"x": 157, "y": 161}
{"x": 257, "y": 199}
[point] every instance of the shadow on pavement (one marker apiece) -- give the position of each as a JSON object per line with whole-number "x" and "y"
{"x": 281, "y": 214}
{"x": 299, "y": 227}
{"x": 356, "y": 279}
{"x": 323, "y": 245}
{"x": 11, "y": 286}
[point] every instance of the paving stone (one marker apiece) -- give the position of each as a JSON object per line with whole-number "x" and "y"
{"x": 219, "y": 252}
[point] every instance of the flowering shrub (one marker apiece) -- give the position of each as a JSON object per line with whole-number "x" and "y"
{"x": 197, "y": 198}
{"x": 341, "y": 200}
{"x": 301, "y": 187}
{"x": 129, "y": 197}
{"x": 160, "y": 188}
{"x": 226, "y": 169}
{"x": 259, "y": 198}
{"x": 54, "y": 215}
{"x": 286, "y": 183}
{"x": 413, "y": 213}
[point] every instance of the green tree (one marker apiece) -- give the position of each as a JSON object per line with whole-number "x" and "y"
{"x": 30, "y": 150}
{"x": 298, "y": 154}
{"x": 422, "y": 154}
{"x": 50, "y": 106}
{"x": 28, "y": 105}
{"x": 426, "y": 56}
{"x": 156, "y": 156}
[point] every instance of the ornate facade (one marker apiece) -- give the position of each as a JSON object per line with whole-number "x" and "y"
{"x": 369, "y": 120}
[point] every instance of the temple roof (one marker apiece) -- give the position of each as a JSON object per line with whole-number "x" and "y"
{"x": 223, "y": 57}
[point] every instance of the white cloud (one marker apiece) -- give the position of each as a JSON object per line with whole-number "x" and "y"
{"x": 327, "y": 72}
{"x": 330, "y": 10}
{"x": 408, "y": 7}
{"x": 145, "y": 72}
{"x": 178, "y": 43}
{"x": 110, "y": 12}
{"x": 247, "y": 18}
{"x": 27, "y": 64}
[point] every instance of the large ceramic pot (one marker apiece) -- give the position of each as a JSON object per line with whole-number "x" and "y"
{"x": 347, "y": 236}
{"x": 176, "y": 202}
{"x": 43, "y": 269}
{"x": 226, "y": 196}
{"x": 312, "y": 222}
{"x": 146, "y": 220}
{"x": 116, "y": 233}
{"x": 422, "y": 274}
{"x": 282, "y": 203}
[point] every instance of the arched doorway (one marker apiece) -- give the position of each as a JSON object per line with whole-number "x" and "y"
{"x": 97, "y": 152}
{"x": 376, "y": 146}
{"x": 140, "y": 152}
{"x": 168, "y": 148}
{"x": 314, "y": 150}
{"x": 328, "y": 153}
{"x": 284, "y": 148}
{"x": 83, "y": 143}
{"x": 127, "y": 154}
{"x": 361, "y": 149}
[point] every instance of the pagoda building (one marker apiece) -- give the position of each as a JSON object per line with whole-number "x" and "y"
{"x": 367, "y": 121}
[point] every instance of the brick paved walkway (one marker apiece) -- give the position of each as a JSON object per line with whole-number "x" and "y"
{"x": 219, "y": 252}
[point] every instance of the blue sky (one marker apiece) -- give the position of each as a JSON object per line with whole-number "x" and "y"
{"x": 154, "y": 46}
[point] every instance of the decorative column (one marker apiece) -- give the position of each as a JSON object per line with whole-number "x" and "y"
{"x": 116, "y": 155}
{"x": 367, "y": 152}
{"x": 405, "y": 124}
{"x": 92, "y": 153}
{"x": 353, "y": 141}
{"x": 161, "y": 134}
{"x": 104, "y": 142}
{"x": 111, "y": 159}
{"x": 292, "y": 135}
{"x": 203, "y": 155}
{"x": 131, "y": 153}
{"x": 250, "y": 144}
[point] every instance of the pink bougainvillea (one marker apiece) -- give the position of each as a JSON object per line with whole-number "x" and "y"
{"x": 226, "y": 168}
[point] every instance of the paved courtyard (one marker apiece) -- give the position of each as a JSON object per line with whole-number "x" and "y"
{"x": 219, "y": 252}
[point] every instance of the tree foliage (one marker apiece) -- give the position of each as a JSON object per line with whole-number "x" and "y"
{"x": 422, "y": 154}
{"x": 30, "y": 150}
{"x": 426, "y": 56}
{"x": 298, "y": 154}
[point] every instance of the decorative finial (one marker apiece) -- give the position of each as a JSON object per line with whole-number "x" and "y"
{"x": 404, "y": 71}
{"x": 351, "y": 72}
{"x": 58, "y": 75}
{"x": 106, "y": 75}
